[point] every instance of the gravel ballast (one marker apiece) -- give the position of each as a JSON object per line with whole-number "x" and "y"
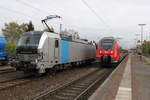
{"x": 32, "y": 88}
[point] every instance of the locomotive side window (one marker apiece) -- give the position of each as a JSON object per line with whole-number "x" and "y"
{"x": 56, "y": 43}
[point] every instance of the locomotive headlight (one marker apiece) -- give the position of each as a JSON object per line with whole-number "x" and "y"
{"x": 100, "y": 52}
{"x": 111, "y": 52}
{"x": 40, "y": 56}
{"x": 36, "y": 60}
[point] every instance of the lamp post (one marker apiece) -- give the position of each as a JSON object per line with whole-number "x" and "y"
{"x": 135, "y": 43}
{"x": 141, "y": 25}
{"x": 136, "y": 40}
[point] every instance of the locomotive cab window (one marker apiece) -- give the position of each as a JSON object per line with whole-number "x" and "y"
{"x": 30, "y": 39}
{"x": 56, "y": 43}
{"x": 107, "y": 44}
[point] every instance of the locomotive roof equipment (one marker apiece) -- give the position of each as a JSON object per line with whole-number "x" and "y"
{"x": 48, "y": 18}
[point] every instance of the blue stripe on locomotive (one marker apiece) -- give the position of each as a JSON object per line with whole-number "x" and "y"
{"x": 2, "y": 47}
{"x": 64, "y": 51}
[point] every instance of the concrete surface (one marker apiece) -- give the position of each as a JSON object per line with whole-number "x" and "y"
{"x": 141, "y": 72}
{"x": 124, "y": 91}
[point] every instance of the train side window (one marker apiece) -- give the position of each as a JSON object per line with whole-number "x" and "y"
{"x": 56, "y": 43}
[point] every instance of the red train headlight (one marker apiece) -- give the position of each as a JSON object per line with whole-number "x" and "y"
{"x": 100, "y": 51}
{"x": 111, "y": 52}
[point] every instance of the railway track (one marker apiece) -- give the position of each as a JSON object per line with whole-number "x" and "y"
{"x": 6, "y": 71}
{"x": 15, "y": 82}
{"x": 78, "y": 89}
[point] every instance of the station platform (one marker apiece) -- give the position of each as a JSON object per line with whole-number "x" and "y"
{"x": 129, "y": 81}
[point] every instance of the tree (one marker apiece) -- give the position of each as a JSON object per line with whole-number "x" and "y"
{"x": 30, "y": 26}
{"x": 12, "y": 31}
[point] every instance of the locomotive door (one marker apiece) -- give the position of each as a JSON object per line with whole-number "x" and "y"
{"x": 56, "y": 50}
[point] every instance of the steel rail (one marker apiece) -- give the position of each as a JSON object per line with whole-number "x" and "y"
{"x": 6, "y": 71}
{"x": 85, "y": 94}
{"x": 60, "y": 86}
{"x": 14, "y": 82}
{"x": 82, "y": 86}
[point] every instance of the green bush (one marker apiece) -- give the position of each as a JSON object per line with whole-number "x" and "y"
{"x": 10, "y": 50}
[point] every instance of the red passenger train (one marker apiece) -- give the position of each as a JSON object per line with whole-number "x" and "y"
{"x": 108, "y": 51}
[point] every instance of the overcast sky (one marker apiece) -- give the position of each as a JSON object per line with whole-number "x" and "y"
{"x": 119, "y": 18}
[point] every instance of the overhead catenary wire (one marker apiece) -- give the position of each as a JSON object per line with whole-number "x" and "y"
{"x": 31, "y": 6}
{"x": 95, "y": 13}
{"x": 16, "y": 12}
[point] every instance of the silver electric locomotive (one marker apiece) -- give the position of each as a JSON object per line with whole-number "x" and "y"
{"x": 40, "y": 51}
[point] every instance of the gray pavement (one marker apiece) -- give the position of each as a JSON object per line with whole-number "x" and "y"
{"x": 141, "y": 70}
{"x": 124, "y": 90}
